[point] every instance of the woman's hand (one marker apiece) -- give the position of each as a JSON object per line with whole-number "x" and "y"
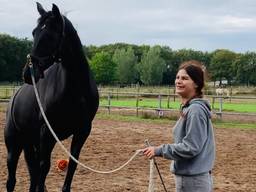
{"x": 149, "y": 152}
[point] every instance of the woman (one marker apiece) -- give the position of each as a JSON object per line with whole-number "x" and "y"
{"x": 193, "y": 150}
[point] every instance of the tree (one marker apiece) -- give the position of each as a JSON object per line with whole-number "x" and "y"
{"x": 245, "y": 66}
{"x": 13, "y": 54}
{"x": 103, "y": 68}
{"x": 251, "y": 68}
{"x": 221, "y": 65}
{"x": 170, "y": 72}
{"x": 179, "y": 56}
{"x": 126, "y": 62}
{"x": 152, "y": 67}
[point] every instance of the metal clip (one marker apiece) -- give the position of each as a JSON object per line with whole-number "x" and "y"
{"x": 29, "y": 62}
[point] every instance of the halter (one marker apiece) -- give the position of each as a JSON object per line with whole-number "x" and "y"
{"x": 54, "y": 56}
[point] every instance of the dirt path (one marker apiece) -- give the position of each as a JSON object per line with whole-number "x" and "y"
{"x": 112, "y": 143}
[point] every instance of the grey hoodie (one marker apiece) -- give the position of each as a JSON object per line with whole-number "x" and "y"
{"x": 193, "y": 150}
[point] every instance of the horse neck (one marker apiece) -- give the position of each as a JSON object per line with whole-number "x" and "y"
{"x": 73, "y": 56}
{"x": 75, "y": 63}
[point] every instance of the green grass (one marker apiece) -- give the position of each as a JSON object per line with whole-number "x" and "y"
{"x": 238, "y": 107}
{"x": 150, "y": 103}
{"x": 132, "y": 118}
{"x": 170, "y": 120}
{"x": 153, "y": 103}
{"x": 7, "y": 91}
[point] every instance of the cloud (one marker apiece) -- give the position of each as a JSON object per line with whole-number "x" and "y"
{"x": 203, "y": 25}
{"x": 231, "y": 23}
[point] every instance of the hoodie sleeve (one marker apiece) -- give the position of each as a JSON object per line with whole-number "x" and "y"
{"x": 193, "y": 139}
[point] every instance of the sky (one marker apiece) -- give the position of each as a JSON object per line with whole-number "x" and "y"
{"x": 204, "y": 25}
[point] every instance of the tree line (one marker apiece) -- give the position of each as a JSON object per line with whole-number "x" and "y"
{"x": 125, "y": 64}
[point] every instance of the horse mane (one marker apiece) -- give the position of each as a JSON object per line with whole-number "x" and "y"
{"x": 73, "y": 38}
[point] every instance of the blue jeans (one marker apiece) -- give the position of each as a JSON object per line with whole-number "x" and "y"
{"x": 194, "y": 183}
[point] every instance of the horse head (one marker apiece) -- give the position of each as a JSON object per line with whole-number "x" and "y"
{"x": 48, "y": 38}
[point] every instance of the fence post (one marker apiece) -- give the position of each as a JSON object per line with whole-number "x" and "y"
{"x": 174, "y": 94}
{"x": 151, "y": 184}
{"x": 159, "y": 102}
{"x": 6, "y": 93}
{"x": 168, "y": 99}
{"x": 109, "y": 102}
{"x": 137, "y": 100}
{"x": 13, "y": 90}
{"x": 220, "y": 110}
{"x": 230, "y": 94}
{"x": 160, "y": 112}
{"x": 117, "y": 92}
{"x": 213, "y": 102}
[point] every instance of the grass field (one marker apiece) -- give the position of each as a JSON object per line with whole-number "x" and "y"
{"x": 132, "y": 118}
{"x": 154, "y": 103}
{"x": 234, "y": 105}
{"x": 153, "y": 119}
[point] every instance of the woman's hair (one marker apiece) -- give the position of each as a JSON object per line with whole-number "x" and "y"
{"x": 195, "y": 70}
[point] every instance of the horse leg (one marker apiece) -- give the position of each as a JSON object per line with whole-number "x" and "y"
{"x": 31, "y": 156}
{"x": 14, "y": 148}
{"x": 47, "y": 144}
{"x": 76, "y": 146}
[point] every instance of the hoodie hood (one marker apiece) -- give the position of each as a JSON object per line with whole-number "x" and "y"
{"x": 204, "y": 104}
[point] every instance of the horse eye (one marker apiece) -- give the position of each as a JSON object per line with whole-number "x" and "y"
{"x": 43, "y": 26}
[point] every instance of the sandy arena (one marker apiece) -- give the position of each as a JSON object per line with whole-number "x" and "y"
{"x": 112, "y": 143}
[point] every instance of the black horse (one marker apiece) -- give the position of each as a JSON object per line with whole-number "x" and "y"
{"x": 69, "y": 98}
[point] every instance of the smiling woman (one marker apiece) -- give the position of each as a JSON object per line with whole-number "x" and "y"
{"x": 193, "y": 150}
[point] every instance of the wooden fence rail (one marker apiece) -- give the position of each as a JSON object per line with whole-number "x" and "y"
{"x": 6, "y": 93}
{"x": 160, "y": 97}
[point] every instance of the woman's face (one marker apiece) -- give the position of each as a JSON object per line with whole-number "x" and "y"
{"x": 185, "y": 86}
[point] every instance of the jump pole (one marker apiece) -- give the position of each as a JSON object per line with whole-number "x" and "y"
{"x": 151, "y": 184}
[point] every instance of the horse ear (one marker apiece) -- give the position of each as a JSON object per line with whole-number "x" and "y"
{"x": 40, "y": 9}
{"x": 55, "y": 10}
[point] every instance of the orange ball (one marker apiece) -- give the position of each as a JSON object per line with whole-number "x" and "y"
{"x": 62, "y": 164}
